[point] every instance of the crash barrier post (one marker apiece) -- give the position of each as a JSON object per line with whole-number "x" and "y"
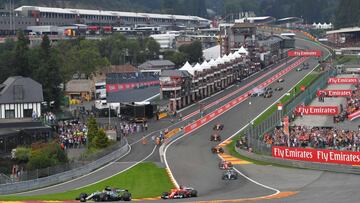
{"x": 63, "y": 176}
{"x": 340, "y": 168}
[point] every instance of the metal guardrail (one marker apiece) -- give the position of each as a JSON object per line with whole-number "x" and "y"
{"x": 16, "y": 187}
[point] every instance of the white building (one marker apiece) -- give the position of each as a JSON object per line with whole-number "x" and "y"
{"x": 20, "y": 98}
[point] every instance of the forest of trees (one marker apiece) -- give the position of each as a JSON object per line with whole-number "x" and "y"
{"x": 55, "y": 64}
{"x": 347, "y": 14}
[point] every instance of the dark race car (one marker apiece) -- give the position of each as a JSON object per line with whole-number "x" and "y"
{"x": 215, "y": 137}
{"x": 268, "y": 90}
{"x": 267, "y": 95}
{"x": 218, "y": 127}
{"x": 280, "y": 80}
{"x": 107, "y": 195}
{"x": 230, "y": 174}
{"x": 224, "y": 165}
{"x": 217, "y": 150}
{"x": 182, "y": 192}
{"x": 279, "y": 89}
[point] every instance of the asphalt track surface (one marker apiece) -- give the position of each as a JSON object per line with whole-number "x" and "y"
{"x": 140, "y": 152}
{"x": 193, "y": 165}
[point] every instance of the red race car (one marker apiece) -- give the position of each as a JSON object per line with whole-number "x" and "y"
{"x": 224, "y": 165}
{"x": 182, "y": 192}
{"x": 217, "y": 150}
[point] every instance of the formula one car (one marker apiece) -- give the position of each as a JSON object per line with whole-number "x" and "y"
{"x": 182, "y": 192}
{"x": 279, "y": 89}
{"x": 215, "y": 137}
{"x": 224, "y": 165}
{"x": 217, "y": 150}
{"x": 107, "y": 195}
{"x": 230, "y": 174}
{"x": 268, "y": 90}
{"x": 299, "y": 69}
{"x": 280, "y": 80}
{"x": 218, "y": 127}
{"x": 267, "y": 95}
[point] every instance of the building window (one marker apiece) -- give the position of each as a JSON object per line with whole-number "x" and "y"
{"x": 10, "y": 114}
{"x": 28, "y": 113}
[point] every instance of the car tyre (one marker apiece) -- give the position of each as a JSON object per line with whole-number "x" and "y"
{"x": 193, "y": 193}
{"x": 126, "y": 196}
{"x": 82, "y": 197}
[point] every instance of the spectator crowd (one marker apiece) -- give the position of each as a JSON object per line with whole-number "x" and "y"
{"x": 315, "y": 137}
{"x": 352, "y": 105}
{"x": 129, "y": 128}
{"x": 72, "y": 134}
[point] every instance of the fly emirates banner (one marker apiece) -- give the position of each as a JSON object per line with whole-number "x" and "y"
{"x": 313, "y": 155}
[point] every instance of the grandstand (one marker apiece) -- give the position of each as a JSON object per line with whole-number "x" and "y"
{"x": 25, "y": 16}
{"x": 347, "y": 40}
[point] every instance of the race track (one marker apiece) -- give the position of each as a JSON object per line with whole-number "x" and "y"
{"x": 192, "y": 164}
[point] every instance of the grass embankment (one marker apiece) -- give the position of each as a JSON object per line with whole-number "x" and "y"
{"x": 143, "y": 181}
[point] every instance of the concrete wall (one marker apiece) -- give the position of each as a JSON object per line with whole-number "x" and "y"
{"x": 301, "y": 164}
{"x": 62, "y": 177}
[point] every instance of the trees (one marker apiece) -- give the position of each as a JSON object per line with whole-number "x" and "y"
{"x": 347, "y": 14}
{"x": 92, "y": 129}
{"x": 22, "y": 154}
{"x": 179, "y": 58}
{"x": 192, "y": 51}
{"x": 101, "y": 140}
{"x": 47, "y": 155}
{"x": 48, "y": 71}
{"x": 21, "y": 60}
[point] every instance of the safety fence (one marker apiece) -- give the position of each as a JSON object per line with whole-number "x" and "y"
{"x": 254, "y": 133}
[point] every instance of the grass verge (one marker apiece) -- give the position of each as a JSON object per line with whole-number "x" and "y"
{"x": 145, "y": 180}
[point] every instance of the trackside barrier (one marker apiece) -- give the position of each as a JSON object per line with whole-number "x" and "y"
{"x": 62, "y": 177}
{"x": 301, "y": 164}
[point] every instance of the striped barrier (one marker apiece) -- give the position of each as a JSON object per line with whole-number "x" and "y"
{"x": 163, "y": 115}
{"x": 172, "y": 133}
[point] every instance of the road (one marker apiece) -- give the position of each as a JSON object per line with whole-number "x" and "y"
{"x": 192, "y": 164}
